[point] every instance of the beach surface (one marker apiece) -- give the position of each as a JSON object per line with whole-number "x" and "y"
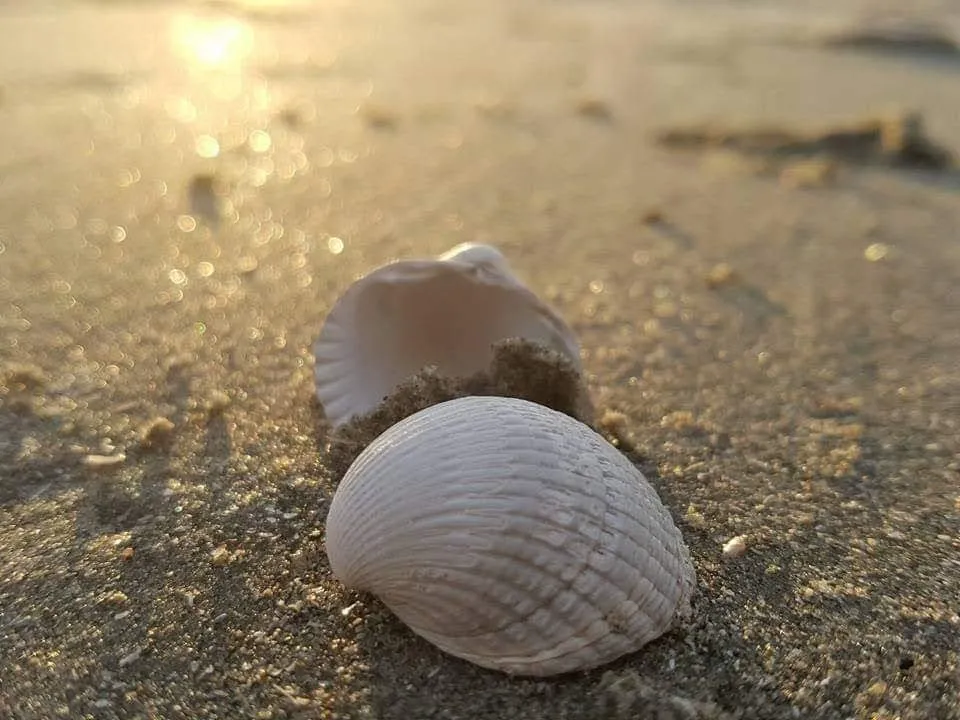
{"x": 748, "y": 212}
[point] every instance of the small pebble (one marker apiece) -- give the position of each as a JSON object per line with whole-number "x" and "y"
{"x": 872, "y": 698}
{"x": 876, "y": 252}
{"x": 115, "y": 598}
{"x": 104, "y": 461}
{"x": 719, "y": 275}
{"x": 678, "y": 420}
{"x": 129, "y": 658}
{"x": 127, "y": 554}
{"x": 594, "y": 108}
{"x": 614, "y": 424}
{"x": 653, "y": 216}
{"x": 694, "y": 517}
{"x": 219, "y": 401}
{"x": 220, "y": 556}
{"x": 23, "y": 377}
{"x": 156, "y": 432}
{"x": 613, "y": 421}
{"x": 735, "y": 547}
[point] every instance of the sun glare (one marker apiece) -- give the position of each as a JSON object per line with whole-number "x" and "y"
{"x": 215, "y": 43}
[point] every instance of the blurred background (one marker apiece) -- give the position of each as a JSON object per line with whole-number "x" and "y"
{"x": 159, "y": 153}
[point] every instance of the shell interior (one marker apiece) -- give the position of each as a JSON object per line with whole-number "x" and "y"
{"x": 411, "y": 314}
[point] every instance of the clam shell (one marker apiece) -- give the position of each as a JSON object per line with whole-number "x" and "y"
{"x": 445, "y": 312}
{"x": 510, "y": 535}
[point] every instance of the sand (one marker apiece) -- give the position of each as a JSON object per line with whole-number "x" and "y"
{"x": 186, "y": 187}
{"x": 519, "y": 368}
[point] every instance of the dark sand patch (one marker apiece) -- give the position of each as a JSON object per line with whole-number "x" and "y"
{"x": 899, "y": 141}
{"x": 520, "y": 369}
{"x": 898, "y": 41}
{"x": 380, "y": 117}
{"x": 594, "y": 108}
{"x": 205, "y": 194}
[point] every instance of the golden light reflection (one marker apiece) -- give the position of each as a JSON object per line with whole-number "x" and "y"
{"x": 207, "y": 146}
{"x": 212, "y": 42}
{"x": 335, "y": 245}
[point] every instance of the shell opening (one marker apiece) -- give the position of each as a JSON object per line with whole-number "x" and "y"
{"x": 389, "y": 329}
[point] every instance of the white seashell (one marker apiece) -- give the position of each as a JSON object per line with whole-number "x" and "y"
{"x": 510, "y": 535}
{"x": 446, "y": 312}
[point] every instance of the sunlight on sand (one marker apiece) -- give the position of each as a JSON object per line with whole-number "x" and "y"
{"x": 215, "y": 43}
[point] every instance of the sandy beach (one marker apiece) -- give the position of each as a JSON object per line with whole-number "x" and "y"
{"x": 748, "y": 212}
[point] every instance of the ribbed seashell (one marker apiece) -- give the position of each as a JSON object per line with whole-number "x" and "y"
{"x": 510, "y": 535}
{"x": 445, "y": 312}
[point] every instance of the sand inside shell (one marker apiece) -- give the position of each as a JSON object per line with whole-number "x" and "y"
{"x": 520, "y": 369}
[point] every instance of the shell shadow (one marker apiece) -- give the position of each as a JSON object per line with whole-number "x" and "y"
{"x": 675, "y": 676}
{"x": 409, "y": 677}
{"x": 31, "y": 467}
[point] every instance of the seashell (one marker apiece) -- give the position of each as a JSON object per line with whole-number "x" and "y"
{"x": 445, "y": 312}
{"x": 510, "y": 535}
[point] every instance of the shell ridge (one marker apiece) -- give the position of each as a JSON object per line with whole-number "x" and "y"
{"x": 456, "y": 578}
{"x": 452, "y": 503}
{"x": 654, "y": 557}
{"x": 568, "y": 560}
{"x": 646, "y": 515}
{"x": 650, "y": 514}
{"x": 529, "y": 541}
{"x": 622, "y": 557}
{"x": 571, "y": 586}
{"x": 576, "y": 628}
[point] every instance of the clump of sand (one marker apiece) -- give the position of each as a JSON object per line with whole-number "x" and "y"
{"x": 915, "y": 40}
{"x": 898, "y": 141}
{"x": 519, "y": 369}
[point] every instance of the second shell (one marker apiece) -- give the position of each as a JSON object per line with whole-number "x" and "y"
{"x": 512, "y": 536}
{"x": 446, "y": 312}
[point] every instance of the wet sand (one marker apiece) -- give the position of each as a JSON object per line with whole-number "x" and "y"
{"x": 185, "y": 189}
